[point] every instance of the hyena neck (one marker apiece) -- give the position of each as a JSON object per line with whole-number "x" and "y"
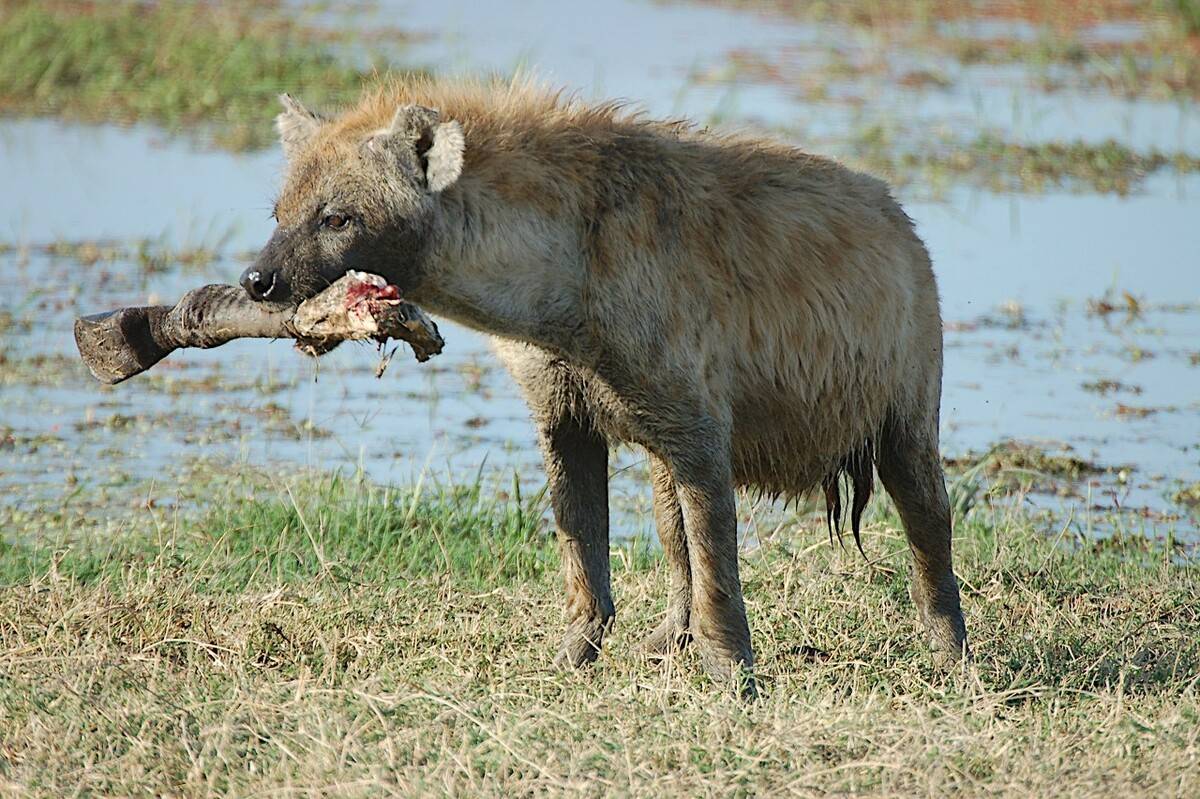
{"x": 503, "y": 270}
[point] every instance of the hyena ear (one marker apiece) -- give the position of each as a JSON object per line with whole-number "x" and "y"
{"x": 438, "y": 145}
{"x": 296, "y": 125}
{"x": 443, "y": 154}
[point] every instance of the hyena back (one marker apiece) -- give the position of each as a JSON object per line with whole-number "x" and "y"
{"x": 750, "y": 314}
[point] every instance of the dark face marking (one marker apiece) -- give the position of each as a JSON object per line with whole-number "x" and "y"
{"x": 300, "y": 260}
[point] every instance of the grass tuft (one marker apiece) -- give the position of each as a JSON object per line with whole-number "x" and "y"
{"x": 354, "y": 531}
{"x": 187, "y": 66}
{"x": 1187, "y": 14}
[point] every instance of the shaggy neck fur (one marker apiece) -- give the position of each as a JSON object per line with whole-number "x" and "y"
{"x": 507, "y": 271}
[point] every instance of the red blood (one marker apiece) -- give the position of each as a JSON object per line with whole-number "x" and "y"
{"x": 361, "y": 291}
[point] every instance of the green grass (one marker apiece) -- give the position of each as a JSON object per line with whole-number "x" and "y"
{"x": 329, "y": 636}
{"x": 340, "y": 528}
{"x": 1187, "y": 14}
{"x": 197, "y": 67}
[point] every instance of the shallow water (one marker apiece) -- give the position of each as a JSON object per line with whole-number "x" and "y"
{"x": 1016, "y": 274}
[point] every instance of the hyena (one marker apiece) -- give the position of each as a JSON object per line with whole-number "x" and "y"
{"x": 750, "y": 314}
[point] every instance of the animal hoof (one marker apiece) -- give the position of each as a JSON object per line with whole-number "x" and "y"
{"x": 666, "y": 639}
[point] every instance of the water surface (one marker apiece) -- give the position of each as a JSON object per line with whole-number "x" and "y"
{"x": 1016, "y": 273}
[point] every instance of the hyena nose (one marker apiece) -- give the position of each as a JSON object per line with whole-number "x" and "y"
{"x": 261, "y": 284}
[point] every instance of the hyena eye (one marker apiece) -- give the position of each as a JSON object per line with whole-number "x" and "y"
{"x": 335, "y": 221}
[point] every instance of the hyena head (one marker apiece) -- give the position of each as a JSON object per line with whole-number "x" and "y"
{"x": 354, "y": 198}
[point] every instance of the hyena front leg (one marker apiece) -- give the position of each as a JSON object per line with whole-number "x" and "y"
{"x": 576, "y": 459}
{"x": 697, "y": 452}
{"x": 673, "y": 632}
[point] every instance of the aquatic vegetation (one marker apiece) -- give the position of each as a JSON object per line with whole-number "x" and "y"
{"x": 1188, "y": 495}
{"x": 150, "y": 255}
{"x": 1019, "y": 466}
{"x": 886, "y": 14}
{"x": 1111, "y": 302}
{"x": 1107, "y": 167}
{"x": 1133, "y": 411}
{"x": 1187, "y": 14}
{"x": 1108, "y": 386}
{"x": 1160, "y": 61}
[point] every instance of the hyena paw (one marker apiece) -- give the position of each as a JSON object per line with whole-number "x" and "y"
{"x": 943, "y": 622}
{"x": 732, "y": 669}
{"x": 669, "y": 637}
{"x": 947, "y": 638}
{"x": 581, "y": 642}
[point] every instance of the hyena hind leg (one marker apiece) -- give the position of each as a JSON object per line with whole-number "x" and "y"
{"x": 911, "y": 471}
{"x": 672, "y": 634}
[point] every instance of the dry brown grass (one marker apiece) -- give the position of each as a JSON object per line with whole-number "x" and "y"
{"x": 183, "y": 668}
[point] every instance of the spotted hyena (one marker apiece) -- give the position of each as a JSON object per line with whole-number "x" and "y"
{"x": 750, "y": 314}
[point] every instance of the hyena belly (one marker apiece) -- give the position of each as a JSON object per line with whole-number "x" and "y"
{"x": 784, "y": 446}
{"x": 811, "y": 401}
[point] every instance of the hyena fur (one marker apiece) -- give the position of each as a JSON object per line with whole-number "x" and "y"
{"x": 750, "y": 314}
